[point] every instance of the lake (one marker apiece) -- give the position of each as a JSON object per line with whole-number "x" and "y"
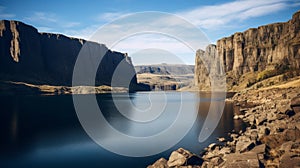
{"x": 44, "y": 131}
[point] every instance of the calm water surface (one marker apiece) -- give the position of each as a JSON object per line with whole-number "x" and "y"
{"x": 44, "y": 131}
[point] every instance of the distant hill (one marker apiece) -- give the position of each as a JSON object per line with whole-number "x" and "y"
{"x": 165, "y": 76}
{"x": 165, "y": 69}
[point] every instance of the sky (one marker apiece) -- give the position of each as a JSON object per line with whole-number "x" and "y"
{"x": 83, "y": 19}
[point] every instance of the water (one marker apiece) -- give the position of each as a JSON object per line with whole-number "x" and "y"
{"x": 44, "y": 131}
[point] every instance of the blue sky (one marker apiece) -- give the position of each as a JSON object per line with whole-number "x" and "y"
{"x": 216, "y": 19}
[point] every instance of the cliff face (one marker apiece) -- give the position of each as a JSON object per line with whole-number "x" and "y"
{"x": 29, "y": 56}
{"x": 270, "y": 47}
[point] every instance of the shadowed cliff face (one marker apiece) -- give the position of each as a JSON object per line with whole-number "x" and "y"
{"x": 267, "y": 47}
{"x": 44, "y": 58}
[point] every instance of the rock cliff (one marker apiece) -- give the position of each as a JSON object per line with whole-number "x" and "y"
{"x": 273, "y": 49}
{"x": 44, "y": 58}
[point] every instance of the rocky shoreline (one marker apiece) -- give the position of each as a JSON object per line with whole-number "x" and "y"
{"x": 272, "y": 138}
{"x": 9, "y": 87}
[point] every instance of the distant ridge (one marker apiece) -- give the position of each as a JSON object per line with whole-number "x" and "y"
{"x": 165, "y": 69}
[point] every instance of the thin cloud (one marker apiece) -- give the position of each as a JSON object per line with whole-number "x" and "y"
{"x": 70, "y": 24}
{"x": 42, "y": 17}
{"x": 109, "y": 16}
{"x": 4, "y": 15}
{"x": 46, "y": 22}
{"x": 212, "y": 17}
{"x": 84, "y": 33}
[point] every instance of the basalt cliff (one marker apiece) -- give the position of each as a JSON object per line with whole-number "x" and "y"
{"x": 257, "y": 57}
{"x": 27, "y": 55}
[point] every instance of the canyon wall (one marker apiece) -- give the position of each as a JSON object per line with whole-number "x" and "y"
{"x": 44, "y": 58}
{"x": 271, "y": 47}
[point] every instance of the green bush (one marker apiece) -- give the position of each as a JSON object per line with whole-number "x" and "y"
{"x": 266, "y": 74}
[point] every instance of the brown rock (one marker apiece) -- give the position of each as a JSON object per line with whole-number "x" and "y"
{"x": 260, "y": 149}
{"x": 182, "y": 157}
{"x": 216, "y": 161}
{"x": 161, "y": 163}
{"x": 243, "y": 146}
{"x": 176, "y": 159}
{"x": 248, "y": 159}
{"x": 295, "y": 104}
{"x": 291, "y": 134}
{"x": 289, "y": 160}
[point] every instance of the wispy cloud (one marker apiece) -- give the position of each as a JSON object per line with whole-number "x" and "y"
{"x": 4, "y": 14}
{"x": 70, "y": 24}
{"x": 42, "y": 17}
{"x": 84, "y": 33}
{"x": 109, "y": 16}
{"x": 214, "y": 16}
{"x": 46, "y": 22}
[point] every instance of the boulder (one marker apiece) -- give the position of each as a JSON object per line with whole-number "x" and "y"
{"x": 260, "y": 119}
{"x": 182, "y": 157}
{"x": 221, "y": 139}
{"x": 295, "y": 104}
{"x": 243, "y": 146}
{"x": 215, "y": 161}
{"x": 160, "y": 163}
{"x": 291, "y": 134}
{"x": 176, "y": 159}
{"x": 212, "y": 146}
{"x": 248, "y": 159}
{"x": 289, "y": 160}
{"x": 285, "y": 147}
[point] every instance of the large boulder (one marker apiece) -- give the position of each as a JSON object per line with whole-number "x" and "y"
{"x": 295, "y": 104}
{"x": 182, "y": 157}
{"x": 160, "y": 163}
{"x": 248, "y": 159}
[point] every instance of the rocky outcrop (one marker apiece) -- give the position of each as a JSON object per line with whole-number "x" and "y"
{"x": 270, "y": 47}
{"x": 207, "y": 66}
{"x": 44, "y": 58}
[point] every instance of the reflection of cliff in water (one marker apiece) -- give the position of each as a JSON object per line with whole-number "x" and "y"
{"x": 225, "y": 125}
{"x": 29, "y": 119}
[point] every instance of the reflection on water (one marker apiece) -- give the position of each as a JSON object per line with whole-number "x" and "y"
{"x": 44, "y": 131}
